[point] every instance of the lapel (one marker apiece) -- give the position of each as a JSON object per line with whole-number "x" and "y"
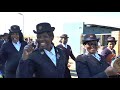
{"x": 21, "y": 47}
{"x": 57, "y": 56}
{"x": 92, "y": 58}
{"x": 46, "y": 58}
{"x": 14, "y": 49}
{"x": 62, "y": 47}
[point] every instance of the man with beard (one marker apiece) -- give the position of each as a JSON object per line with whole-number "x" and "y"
{"x": 46, "y": 61}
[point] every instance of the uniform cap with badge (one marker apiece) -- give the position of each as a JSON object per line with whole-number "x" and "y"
{"x": 64, "y": 36}
{"x": 43, "y": 27}
{"x": 90, "y": 37}
{"x": 14, "y": 29}
{"x": 111, "y": 39}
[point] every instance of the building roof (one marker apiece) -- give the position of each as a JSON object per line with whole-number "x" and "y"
{"x": 101, "y": 26}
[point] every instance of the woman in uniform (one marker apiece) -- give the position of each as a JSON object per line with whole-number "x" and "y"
{"x": 91, "y": 64}
{"x": 12, "y": 50}
{"x": 46, "y": 61}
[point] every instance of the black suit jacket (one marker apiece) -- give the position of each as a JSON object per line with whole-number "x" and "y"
{"x": 106, "y": 52}
{"x": 88, "y": 66}
{"x": 11, "y": 57}
{"x": 68, "y": 51}
{"x": 1, "y": 42}
{"x": 40, "y": 65}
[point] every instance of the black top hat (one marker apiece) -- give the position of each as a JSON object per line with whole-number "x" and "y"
{"x": 111, "y": 39}
{"x": 64, "y": 36}
{"x": 43, "y": 27}
{"x": 14, "y": 29}
{"x": 90, "y": 37}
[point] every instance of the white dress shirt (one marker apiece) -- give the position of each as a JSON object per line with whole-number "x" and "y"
{"x": 17, "y": 45}
{"x": 51, "y": 54}
{"x": 96, "y": 56}
{"x": 64, "y": 45}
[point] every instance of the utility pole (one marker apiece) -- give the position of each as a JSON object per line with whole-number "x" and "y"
{"x": 23, "y": 20}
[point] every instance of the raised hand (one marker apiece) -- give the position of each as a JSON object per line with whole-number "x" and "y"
{"x": 28, "y": 49}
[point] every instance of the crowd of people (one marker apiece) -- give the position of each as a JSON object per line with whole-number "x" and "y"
{"x": 24, "y": 58}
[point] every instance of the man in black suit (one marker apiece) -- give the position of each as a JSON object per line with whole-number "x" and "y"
{"x": 91, "y": 64}
{"x": 46, "y": 61}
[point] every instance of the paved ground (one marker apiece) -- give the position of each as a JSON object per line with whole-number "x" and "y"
{"x": 72, "y": 69}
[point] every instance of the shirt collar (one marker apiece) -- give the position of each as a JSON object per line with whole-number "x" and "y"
{"x": 51, "y": 51}
{"x": 86, "y": 52}
{"x": 110, "y": 49}
{"x": 95, "y": 54}
{"x": 16, "y": 43}
{"x": 64, "y": 45}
